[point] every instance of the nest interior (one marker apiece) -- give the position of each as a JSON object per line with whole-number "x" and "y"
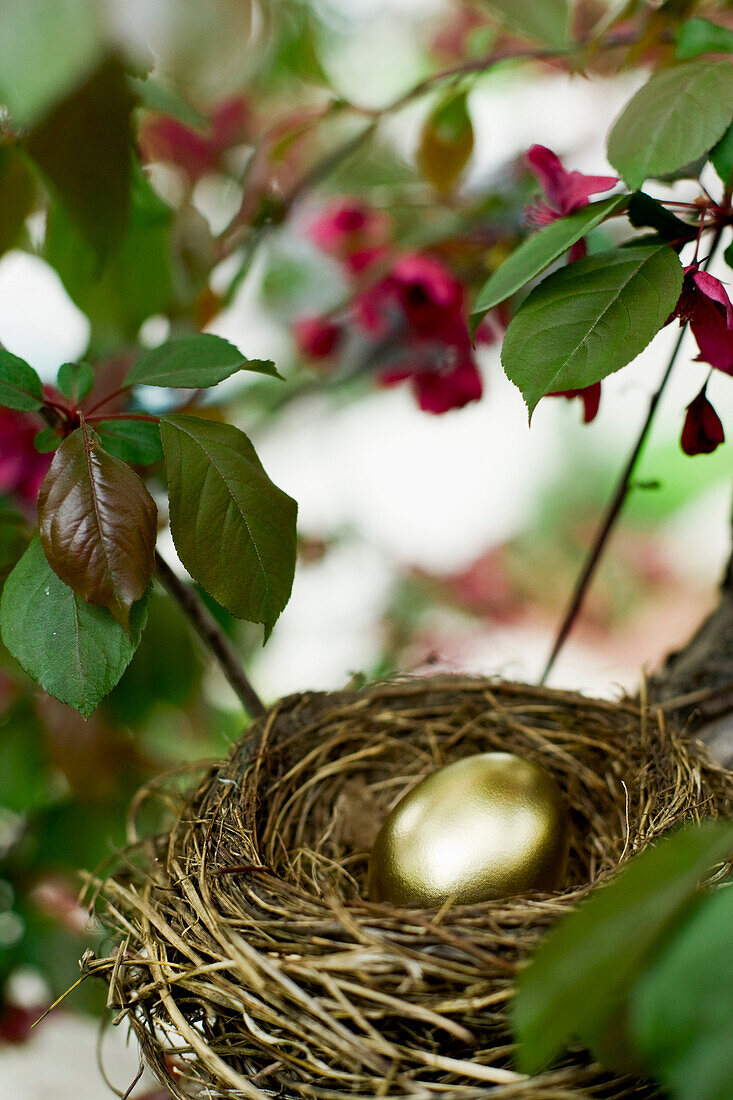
{"x": 247, "y": 959}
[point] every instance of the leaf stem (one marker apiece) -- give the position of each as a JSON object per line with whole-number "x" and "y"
{"x": 230, "y": 238}
{"x": 211, "y": 634}
{"x": 115, "y": 393}
{"x": 121, "y": 416}
{"x": 617, "y": 502}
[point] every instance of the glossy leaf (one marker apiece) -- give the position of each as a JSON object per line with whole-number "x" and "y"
{"x": 682, "y": 1008}
{"x": 721, "y": 157}
{"x": 697, "y": 36}
{"x": 589, "y": 319}
{"x": 17, "y": 194}
{"x": 135, "y": 441}
{"x": 46, "y": 48}
{"x": 546, "y": 21}
{"x": 577, "y": 983}
{"x": 677, "y": 116}
{"x": 646, "y": 211}
{"x": 446, "y": 143}
{"x": 537, "y": 252}
{"x": 194, "y": 361}
{"x": 76, "y": 652}
{"x": 136, "y": 282}
{"x": 97, "y": 524}
{"x": 20, "y": 386}
{"x": 75, "y": 380}
{"x": 233, "y": 529}
{"x": 84, "y": 150}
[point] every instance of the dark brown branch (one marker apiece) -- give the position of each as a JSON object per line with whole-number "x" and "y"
{"x": 211, "y": 634}
{"x": 695, "y": 684}
{"x": 609, "y": 520}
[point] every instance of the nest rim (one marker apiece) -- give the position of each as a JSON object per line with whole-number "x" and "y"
{"x": 248, "y": 962}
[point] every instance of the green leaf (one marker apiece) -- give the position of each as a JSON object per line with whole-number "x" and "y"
{"x": 682, "y": 1008}
{"x": 696, "y": 36}
{"x": 589, "y": 319}
{"x": 25, "y": 785}
{"x": 15, "y": 534}
{"x": 20, "y": 386}
{"x": 84, "y": 149}
{"x": 677, "y": 116}
{"x": 446, "y": 142}
{"x": 728, "y": 255}
{"x": 136, "y": 282}
{"x": 134, "y": 441}
{"x": 721, "y": 157}
{"x": 540, "y": 250}
{"x": 646, "y": 211}
{"x": 166, "y": 668}
{"x": 17, "y": 195}
{"x": 577, "y": 984}
{"x": 546, "y": 21}
{"x": 192, "y": 362}
{"x": 47, "y": 440}
{"x": 159, "y": 97}
{"x": 46, "y": 48}
{"x": 233, "y": 529}
{"x": 98, "y": 524}
{"x": 76, "y": 652}
{"x": 75, "y": 380}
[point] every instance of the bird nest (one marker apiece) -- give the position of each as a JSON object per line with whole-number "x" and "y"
{"x": 250, "y": 964}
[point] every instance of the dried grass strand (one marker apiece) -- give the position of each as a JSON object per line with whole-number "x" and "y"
{"x": 250, "y": 964}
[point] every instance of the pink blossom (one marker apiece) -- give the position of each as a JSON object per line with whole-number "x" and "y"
{"x": 421, "y": 305}
{"x": 565, "y": 191}
{"x": 438, "y": 391}
{"x": 589, "y": 395}
{"x": 704, "y": 302}
{"x": 22, "y": 468}
{"x": 317, "y": 337}
{"x": 702, "y": 431}
{"x": 419, "y": 295}
{"x": 195, "y": 152}
{"x": 349, "y": 226}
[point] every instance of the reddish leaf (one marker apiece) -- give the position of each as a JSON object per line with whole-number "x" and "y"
{"x": 97, "y": 524}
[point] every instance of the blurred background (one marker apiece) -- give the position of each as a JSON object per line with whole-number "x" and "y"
{"x": 427, "y": 542}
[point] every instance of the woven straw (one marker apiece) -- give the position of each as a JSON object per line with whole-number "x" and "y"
{"x": 247, "y": 960}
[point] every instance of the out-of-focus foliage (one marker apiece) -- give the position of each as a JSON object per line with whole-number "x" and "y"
{"x": 164, "y": 163}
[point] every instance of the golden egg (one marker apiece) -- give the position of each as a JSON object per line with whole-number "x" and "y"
{"x": 487, "y": 826}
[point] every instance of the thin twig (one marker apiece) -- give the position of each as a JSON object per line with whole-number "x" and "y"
{"x": 212, "y": 635}
{"x": 617, "y": 502}
{"x": 230, "y": 238}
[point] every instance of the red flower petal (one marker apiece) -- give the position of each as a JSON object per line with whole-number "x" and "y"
{"x": 317, "y": 337}
{"x": 589, "y": 395}
{"x": 438, "y": 392}
{"x": 702, "y": 431}
{"x": 566, "y": 191}
{"x": 714, "y": 338}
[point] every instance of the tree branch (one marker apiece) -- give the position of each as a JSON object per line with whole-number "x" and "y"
{"x": 211, "y": 634}
{"x": 695, "y": 684}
